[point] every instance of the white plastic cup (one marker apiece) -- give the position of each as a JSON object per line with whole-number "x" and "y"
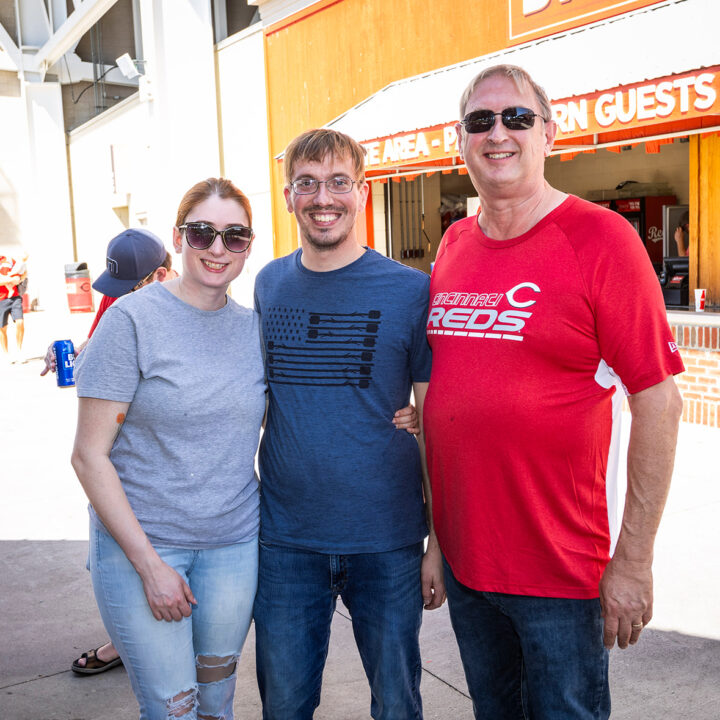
{"x": 700, "y": 300}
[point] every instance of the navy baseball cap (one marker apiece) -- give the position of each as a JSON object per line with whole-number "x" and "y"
{"x": 131, "y": 256}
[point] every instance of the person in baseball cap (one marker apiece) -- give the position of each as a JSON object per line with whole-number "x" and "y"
{"x": 132, "y": 256}
{"x": 135, "y": 258}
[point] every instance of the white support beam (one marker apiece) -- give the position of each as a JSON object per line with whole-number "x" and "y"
{"x": 9, "y": 46}
{"x": 34, "y": 25}
{"x": 220, "y": 16}
{"x": 78, "y": 23}
{"x": 58, "y": 13}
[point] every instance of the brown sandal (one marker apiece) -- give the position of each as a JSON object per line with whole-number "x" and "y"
{"x": 93, "y": 664}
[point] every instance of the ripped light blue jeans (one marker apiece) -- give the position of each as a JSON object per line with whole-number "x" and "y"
{"x": 186, "y": 668}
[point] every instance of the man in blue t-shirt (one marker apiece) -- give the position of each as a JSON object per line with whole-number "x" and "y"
{"x": 342, "y": 512}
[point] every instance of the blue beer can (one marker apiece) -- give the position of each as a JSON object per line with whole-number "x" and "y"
{"x": 65, "y": 361}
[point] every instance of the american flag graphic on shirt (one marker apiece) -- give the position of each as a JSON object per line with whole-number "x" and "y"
{"x": 313, "y": 347}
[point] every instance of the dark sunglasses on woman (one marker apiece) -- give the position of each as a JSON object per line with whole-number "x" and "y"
{"x": 200, "y": 236}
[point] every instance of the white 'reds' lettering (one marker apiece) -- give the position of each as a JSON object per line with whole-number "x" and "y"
{"x": 512, "y": 319}
{"x": 457, "y": 317}
{"x": 516, "y": 303}
{"x": 474, "y": 325}
{"x": 434, "y": 317}
{"x": 467, "y": 319}
{"x": 473, "y": 321}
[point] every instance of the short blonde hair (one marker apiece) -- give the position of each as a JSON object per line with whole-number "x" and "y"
{"x": 519, "y": 76}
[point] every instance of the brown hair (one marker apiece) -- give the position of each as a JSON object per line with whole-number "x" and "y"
{"x": 167, "y": 262}
{"x": 519, "y": 76}
{"x": 316, "y": 145}
{"x": 201, "y": 191}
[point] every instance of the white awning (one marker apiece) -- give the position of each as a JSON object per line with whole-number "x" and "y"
{"x": 654, "y": 42}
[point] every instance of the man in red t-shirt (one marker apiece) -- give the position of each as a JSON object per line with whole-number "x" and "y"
{"x": 544, "y": 309}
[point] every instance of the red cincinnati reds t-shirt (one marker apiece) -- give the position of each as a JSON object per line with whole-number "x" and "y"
{"x": 530, "y": 338}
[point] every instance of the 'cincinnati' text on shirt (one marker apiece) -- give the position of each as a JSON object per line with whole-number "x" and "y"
{"x": 474, "y": 314}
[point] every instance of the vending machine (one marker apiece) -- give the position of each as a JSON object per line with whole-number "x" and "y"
{"x": 645, "y": 214}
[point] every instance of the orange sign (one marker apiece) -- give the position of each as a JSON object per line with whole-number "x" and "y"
{"x": 677, "y": 97}
{"x": 532, "y": 19}
{"x": 415, "y": 148}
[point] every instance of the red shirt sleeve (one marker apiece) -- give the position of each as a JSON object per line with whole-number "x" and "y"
{"x": 631, "y": 322}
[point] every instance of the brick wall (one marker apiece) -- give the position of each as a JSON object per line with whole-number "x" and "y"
{"x": 700, "y": 383}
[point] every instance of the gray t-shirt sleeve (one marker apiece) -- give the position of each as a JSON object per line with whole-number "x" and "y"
{"x": 108, "y": 367}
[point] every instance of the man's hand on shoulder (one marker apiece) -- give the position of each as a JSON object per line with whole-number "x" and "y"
{"x": 626, "y": 597}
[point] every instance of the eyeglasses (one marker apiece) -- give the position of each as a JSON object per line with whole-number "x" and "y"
{"x": 513, "y": 118}
{"x": 200, "y": 236}
{"x": 339, "y": 185}
{"x": 144, "y": 281}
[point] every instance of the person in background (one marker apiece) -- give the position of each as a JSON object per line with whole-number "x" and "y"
{"x": 171, "y": 395}
{"x": 135, "y": 258}
{"x": 682, "y": 236}
{"x": 535, "y": 335}
{"x": 132, "y": 263}
{"x": 12, "y": 275}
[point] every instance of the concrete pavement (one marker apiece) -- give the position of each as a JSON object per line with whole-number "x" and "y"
{"x": 48, "y": 614}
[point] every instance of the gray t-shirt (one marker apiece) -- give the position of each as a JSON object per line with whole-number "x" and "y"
{"x": 195, "y": 383}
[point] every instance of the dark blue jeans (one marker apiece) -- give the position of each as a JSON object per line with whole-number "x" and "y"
{"x": 294, "y": 605}
{"x": 530, "y": 658}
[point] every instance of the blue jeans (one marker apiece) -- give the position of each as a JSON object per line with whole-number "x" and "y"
{"x": 297, "y": 593}
{"x": 530, "y": 657}
{"x": 166, "y": 660}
